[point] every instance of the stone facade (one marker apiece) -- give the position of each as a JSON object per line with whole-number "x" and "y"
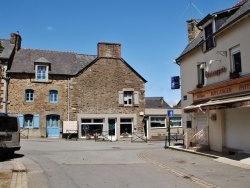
{"x": 17, "y": 86}
{"x": 91, "y": 90}
{"x": 96, "y": 89}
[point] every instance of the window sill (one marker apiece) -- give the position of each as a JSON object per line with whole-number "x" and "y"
{"x": 41, "y": 81}
{"x": 28, "y": 102}
{"x": 158, "y": 127}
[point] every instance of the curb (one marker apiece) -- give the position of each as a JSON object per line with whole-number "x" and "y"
{"x": 19, "y": 175}
{"x": 216, "y": 158}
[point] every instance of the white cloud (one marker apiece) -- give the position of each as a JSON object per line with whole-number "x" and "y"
{"x": 49, "y": 28}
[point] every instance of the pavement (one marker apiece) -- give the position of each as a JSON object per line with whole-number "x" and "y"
{"x": 13, "y": 173}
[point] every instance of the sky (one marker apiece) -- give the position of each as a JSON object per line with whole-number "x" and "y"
{"x": 152, "y": 33}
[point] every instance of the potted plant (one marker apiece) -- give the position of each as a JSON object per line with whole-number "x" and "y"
{"x": 199, "y": 85}
{"x": 234, "y": 75}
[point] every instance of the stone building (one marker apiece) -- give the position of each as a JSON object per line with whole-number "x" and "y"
{"x": 103, "y": 93}
{"x": 8, "y": 47}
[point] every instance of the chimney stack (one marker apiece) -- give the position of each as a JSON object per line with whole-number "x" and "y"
{"x": 110, "y": 50}
{"x": 16, "y": 39}
{"x": 193, "y": 31}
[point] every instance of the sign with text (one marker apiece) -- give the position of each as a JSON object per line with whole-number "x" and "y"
{"x": 225, "y": 90}
{"x": 175, "y": 82}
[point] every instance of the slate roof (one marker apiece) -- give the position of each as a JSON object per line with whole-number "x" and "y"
{"x": 8, "y": 49}
{"x": 156, "y": 102}
{"x": 240, "y": 9}
{"x": 61, "y": 63}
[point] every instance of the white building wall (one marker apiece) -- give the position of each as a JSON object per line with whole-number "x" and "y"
{"x": 237, "y": 129}
{"x": 216, "y": 130}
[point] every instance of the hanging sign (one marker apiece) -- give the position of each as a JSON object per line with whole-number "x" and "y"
{"x": 175, "y": 82}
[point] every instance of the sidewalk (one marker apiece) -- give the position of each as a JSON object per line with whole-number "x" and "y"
{"x": 241, "y": 160}
{"x": 13, "y": 174}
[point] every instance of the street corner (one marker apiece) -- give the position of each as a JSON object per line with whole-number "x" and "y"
{"x": 5, "y": 174}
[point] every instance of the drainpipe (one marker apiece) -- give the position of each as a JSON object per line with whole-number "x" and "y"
{"x": 6, "y": 93}
{"x": 68, "y": 98}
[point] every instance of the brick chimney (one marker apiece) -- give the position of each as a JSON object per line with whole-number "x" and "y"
{"x": 193, "y": 31}
{"x": 16, "y": 39}
{"x": 110, "y": 50}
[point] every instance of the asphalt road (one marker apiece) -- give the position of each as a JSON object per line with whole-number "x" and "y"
{"x": 61, "y": 163}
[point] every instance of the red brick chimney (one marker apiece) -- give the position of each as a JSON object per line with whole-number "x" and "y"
{"x": 110, "y": 50}
{"x": 16, "y": 39}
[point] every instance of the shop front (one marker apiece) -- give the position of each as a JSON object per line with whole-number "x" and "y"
{"x": 224, "y": 110}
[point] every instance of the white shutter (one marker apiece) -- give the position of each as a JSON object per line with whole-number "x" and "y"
{"x": 121, "y": 102}
{"x": 136, "y": 98}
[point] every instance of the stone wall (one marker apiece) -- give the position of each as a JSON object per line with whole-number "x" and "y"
{"x": 41, "y": 105}
{"x": 96, "y": 89}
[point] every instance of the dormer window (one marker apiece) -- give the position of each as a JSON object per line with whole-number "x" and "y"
{"x": 209, "y": 41}
{"x": 42, "y": 69}
{"x": 41, "y": 72}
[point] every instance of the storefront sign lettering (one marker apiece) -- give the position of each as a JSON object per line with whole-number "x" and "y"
{"x": 221, "y": 92}
{"x": 215, "y": 73}
{"x": 243, "y": 87}
{"x": 226, "y": 90}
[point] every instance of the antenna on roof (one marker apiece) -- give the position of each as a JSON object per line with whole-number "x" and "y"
{"x": 192, "y": 6}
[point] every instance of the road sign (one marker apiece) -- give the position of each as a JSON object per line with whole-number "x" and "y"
{"x": 170, "y": 113}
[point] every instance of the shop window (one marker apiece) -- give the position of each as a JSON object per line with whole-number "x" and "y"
{"x": 175, "y": 122}
{"x": 126, "y": 127}
{"x": 91, "y": 127}
{"x": 158, "y": 122}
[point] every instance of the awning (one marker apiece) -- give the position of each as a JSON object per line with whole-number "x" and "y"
{"x": 233, "y": 102}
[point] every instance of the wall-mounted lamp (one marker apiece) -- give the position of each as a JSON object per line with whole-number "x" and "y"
{"x": 211, "y": 61}
{"x": 223, "y": 53}
{"x": 202, "y": 65}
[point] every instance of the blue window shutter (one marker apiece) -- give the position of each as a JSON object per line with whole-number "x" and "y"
{"x": 20, "y": 118}
{"x": 36, "y": 121}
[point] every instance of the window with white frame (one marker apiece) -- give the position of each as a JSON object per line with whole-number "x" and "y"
{"x": 42, "y": 72}
{"x": 128, "y": 98}
{"x": 158, "y": 122}
{"x": 126, "y": 127}
{"x": 201, "y": 74}
{"x": 53, "y": 96}
{"x": 28, "y": 121}
{"x": 29, "y": 95}
{"x": 236, "y": 60}
{"x": 91, "y": 127}
{"x": 175, "y": 122}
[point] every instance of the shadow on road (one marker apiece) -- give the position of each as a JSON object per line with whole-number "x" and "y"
{"x": 8, "y": 157}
